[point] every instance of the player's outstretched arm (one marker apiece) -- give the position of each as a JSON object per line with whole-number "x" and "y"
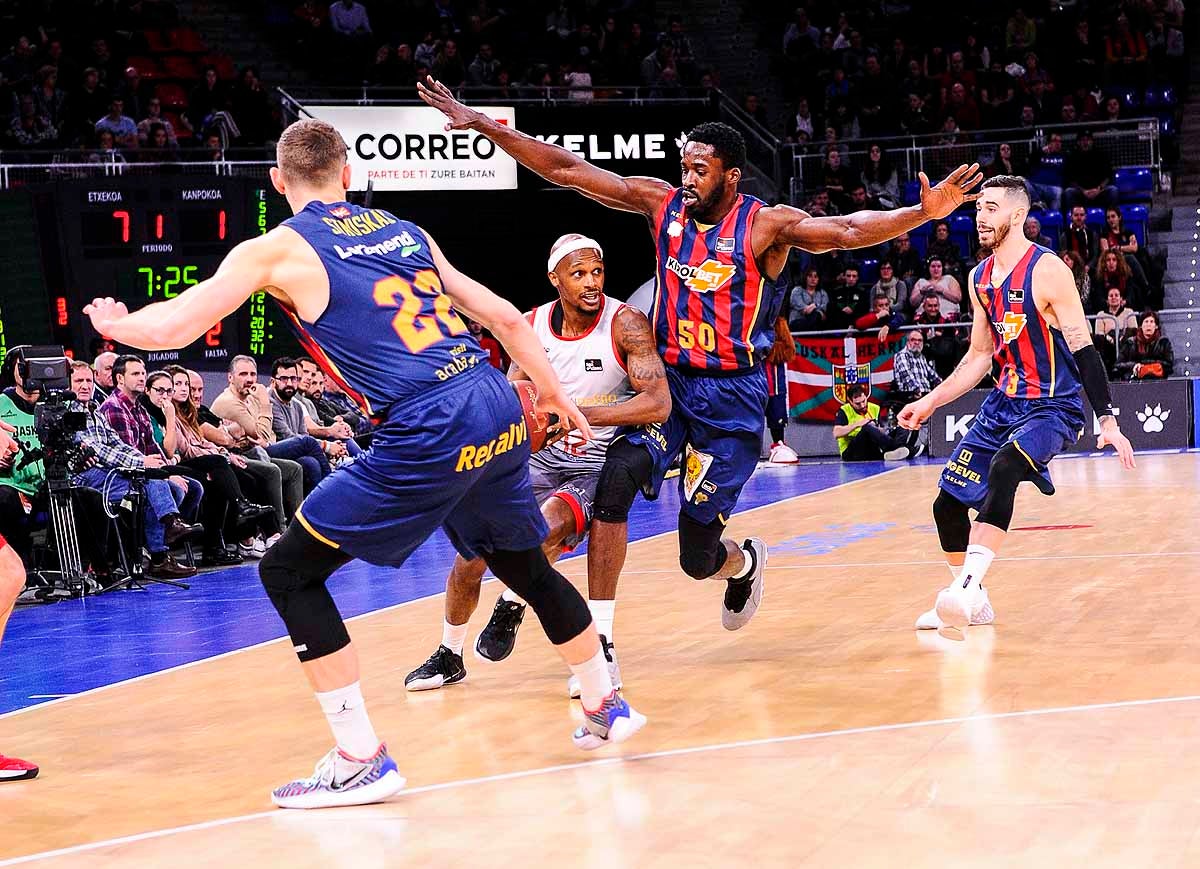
{"x": 1056, "y": 292}
{"x": 652, "y": 403}
{"x": 971, "y": 369}
{"x": 796, "y": 228}
{"x": 557, "y": 165}
{"x": 179, "y": 321}
{"x": 513, "y": 331}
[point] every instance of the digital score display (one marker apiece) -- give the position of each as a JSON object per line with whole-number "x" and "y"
{"x": 148, "y": 239}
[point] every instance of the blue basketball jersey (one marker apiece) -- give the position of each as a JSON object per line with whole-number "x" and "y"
{"x": 389, "y": 332}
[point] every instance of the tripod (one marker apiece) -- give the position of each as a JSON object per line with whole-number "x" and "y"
{"x": 134, "y": 501}
{"x": 73, "y": 579}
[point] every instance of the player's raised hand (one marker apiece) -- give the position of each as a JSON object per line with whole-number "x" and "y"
{"x": 1110, "y": 435}
{"x": 940, "y": 201}
{"x": 914, "y": 414}
{"x": 558, "y": 403}
{"x": 436, "y": 94}
{"x": 105, "y": 313}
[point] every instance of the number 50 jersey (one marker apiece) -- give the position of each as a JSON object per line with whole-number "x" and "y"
{"x": 389, "y": 332}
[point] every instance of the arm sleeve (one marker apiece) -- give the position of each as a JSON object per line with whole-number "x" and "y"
{"x": 1095, "y": 379}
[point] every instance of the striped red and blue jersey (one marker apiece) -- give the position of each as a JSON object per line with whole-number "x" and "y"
{"x": 1032, "y": 355}
{"x": 389, "y": 332}
{"x": 713, "y": 310}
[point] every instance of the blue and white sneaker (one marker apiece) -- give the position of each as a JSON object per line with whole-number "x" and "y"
{"x": 615, "y": 721}
{"x": 341, "y": 780}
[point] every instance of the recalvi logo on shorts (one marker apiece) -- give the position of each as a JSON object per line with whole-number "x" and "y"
{"x": 472, "y": 457}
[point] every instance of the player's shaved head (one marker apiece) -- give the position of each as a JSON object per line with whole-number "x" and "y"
{"x": 310, "y": 152}
{"x": 1012, "y": 186}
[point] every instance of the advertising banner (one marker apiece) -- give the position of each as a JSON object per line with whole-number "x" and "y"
{"x": 409, "y": 148}
{"x": 825, "y": 367}
{"x": 1154, "y": 415}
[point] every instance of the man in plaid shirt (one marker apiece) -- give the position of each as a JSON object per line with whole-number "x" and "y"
{"x": 913, "y": 374}
{"x": 163, "y": 523}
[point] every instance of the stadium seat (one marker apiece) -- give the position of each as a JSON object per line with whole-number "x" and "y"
{"x": 912, "y": 192}
{"x": 1135, "y": 184}
{"x": 1137, "y": 219}
{"x": 1159, "y": 95}
{"x": 1095, "y": 217}
{"x": 147, "y": 67}
{"x": 158, "y": 41}
{"x": 1052, "y": 223}
{"x": 868, "y": 271}
{"x": 187, "y": 40}
{"x": 172, "y": 96}
{"x": 223, "y": 64}
{"x": 182, "y": 133}
{"x": 180, "y": 66}
{"x": 1049, "y": 171}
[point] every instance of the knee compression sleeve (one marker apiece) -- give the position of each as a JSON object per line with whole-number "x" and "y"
{"x": 1007, "y": 470}
{"x": 293, "y": 572}
{"x": 701, "y": 553}
{"x": 952, "y": 521}
{"x": 559, "y": 606}
{"x": 627, "y": 469}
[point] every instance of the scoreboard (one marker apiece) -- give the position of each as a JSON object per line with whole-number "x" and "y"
{"x": 144, "y": 239}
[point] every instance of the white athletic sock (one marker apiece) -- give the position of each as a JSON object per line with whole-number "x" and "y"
{"x": 347, "y": 716}
{"x": 594, "y": 681}
{"x": 454, "y": 636}
{"x": 978, "y": 560}
{"x": 510, "y": 595}
{"x": 602, "y": 613}
{"x": 955, "y": 569}
{"x": 748, "y": 565}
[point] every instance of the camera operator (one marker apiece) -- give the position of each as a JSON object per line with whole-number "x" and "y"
{"x": 164, "y": 502}
{"x": 24, "y": 500}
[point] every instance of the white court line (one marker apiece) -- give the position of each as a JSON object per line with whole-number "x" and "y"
{"x": 608, "y": 761}
{"x": 179, "y": 667}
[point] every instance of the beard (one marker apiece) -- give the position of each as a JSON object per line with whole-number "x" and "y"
{"x": 704, "y": 207}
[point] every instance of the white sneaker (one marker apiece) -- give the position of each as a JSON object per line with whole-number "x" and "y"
{"x": 899, "y": 454}
{"x": 782, "y": 454}
{"x": 982, "y": 614}
{"x": 254, "y": 549}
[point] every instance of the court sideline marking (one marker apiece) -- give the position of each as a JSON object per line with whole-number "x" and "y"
{"x": 386, "y": 609}
{"x": 609, "y": 761}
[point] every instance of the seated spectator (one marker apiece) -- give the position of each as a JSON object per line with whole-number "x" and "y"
{"x": 836, "y": 178}
{"x": 208, "y": 110}
{"x": 859, "y": 436}
{"x": 681, "y": 48}
{"x": 279, "y": 482}
{"x": 1087, "y": 174}
{"x": 1126, "y": 53}
{"x": 906, "y": 260}
{"x": 1040, "y": 161}
{"x": 350, "y": 411}
{"x": 106, "y": 149}
{"x": 306, "y": 396}
{"x": 49, "y": 100}
{"x": 116, "y": 122}
{"x": 821, "y": 205}
{"x": 802, "y": 121}
{"x": 449, "y": 67}
{"x": 1020, "y": 33}
{"x": 807, "y": 304}
{"x": 1033, "y": 232}
{"x": 944, "y": 287}
{"x": 290, "y": 418}
{"x": 484, "y": 68}
{"x": 1003, "y": 163}
{"x": 132, "y": 91}
{"x": 1116, "y": 237}
{"x": 881, "y": 316}
{"x": 1148, "y": 354}
{"x": 29, "y": 129}
{"x": 913, "y": 375}
{"x": 348, "y": 19}
{"x": 162, "y": 523}
{"x": 1114, "y": 325}
{"x": 961, "y": 106}
{"x": 941, "y": 345}
{"x": 248, "y": 403}
{"x": 102, "y": 371}
{"x": 1112, "y": 271}
{"x": 847, "y": 301}
{"x": 1079, "y": 238}
{"x": 154, "y": 116}
{"x": 947, "y": 250}
{"x": 1083, "y": 280}
{"x": 891, "y": 286}
{"x": 251, "y": 107}
{"x": 879, "y": 176}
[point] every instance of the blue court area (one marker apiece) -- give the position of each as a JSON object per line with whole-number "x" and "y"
{"x": 74, "y": 646}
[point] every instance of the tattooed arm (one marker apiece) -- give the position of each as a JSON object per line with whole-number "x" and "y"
{"x": 652, "y": 402}
{"x": 970, "y": 370}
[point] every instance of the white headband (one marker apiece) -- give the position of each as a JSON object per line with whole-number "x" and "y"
{"x": 557, "y": 255}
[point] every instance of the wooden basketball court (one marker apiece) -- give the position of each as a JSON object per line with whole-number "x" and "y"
{"x": 827, "y": 733}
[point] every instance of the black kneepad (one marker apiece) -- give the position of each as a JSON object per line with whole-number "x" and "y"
{"x": 627, "y": 469}
{"x": 1008, "y": 468}
{"x": 293, "y": 572}
{"x": 952, "y": 521}
{"x": 701, "y": 553}
{"x": 559, "y": 606}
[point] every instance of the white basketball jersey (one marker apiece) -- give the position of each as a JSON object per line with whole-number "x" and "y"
{"x": 590, "y": 370}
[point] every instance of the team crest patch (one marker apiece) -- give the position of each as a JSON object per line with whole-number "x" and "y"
{"x": 707, "y": 277}
{"x": 983, "y": 291}
{"x": 845, "y": 376}
{"x": 1011, "y": 327}
{"x": 725, "y": 245}
{"x": 695, "y": 468}
{"x": 341, "y": 211}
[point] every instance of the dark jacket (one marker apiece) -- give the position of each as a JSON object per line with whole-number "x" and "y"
{"x": 1132, "y": 354}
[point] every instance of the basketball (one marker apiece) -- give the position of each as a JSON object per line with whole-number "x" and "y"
{"x": 538, "y": 423}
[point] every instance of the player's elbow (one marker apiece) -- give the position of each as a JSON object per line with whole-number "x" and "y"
{"x": 662, "y": 407}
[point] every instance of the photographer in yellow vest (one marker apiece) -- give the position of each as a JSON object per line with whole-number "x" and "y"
{"x": 859, "y": 436}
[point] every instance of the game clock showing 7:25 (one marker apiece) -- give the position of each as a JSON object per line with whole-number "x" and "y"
{"x": 147, "y": 239}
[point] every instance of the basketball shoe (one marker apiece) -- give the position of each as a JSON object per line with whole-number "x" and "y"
{"x": 615, "y": 721}
{"x": 614, "y": 672}
{"x": 981, "y": 612}
{"x": 742, "y": 597}
{"x": 782, "y": 454}
{"x": 14, "y": 769}
{"x": 443, "y": 668}
{"x": 498, "y": 637}
{"x": 341, "y": 780}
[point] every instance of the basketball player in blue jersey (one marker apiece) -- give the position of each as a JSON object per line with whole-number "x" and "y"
{"x": 718, "y": 293}
{"x": 375, "y": 300}
{"x": 1027, "y": 318}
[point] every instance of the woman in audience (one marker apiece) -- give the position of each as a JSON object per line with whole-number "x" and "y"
{"x": 1114, "y": 325}
{"x": 948, "y": 290}
{"x": 808, "y": 303}
{"x": 1117, "y": 237}
{"x": 1083, "y": 281}
{"x": 947, "y": 250}
{"x": 1112, "y": 270}
{"x": 879, "y": 176}
{"x": 1147, "y": 355}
